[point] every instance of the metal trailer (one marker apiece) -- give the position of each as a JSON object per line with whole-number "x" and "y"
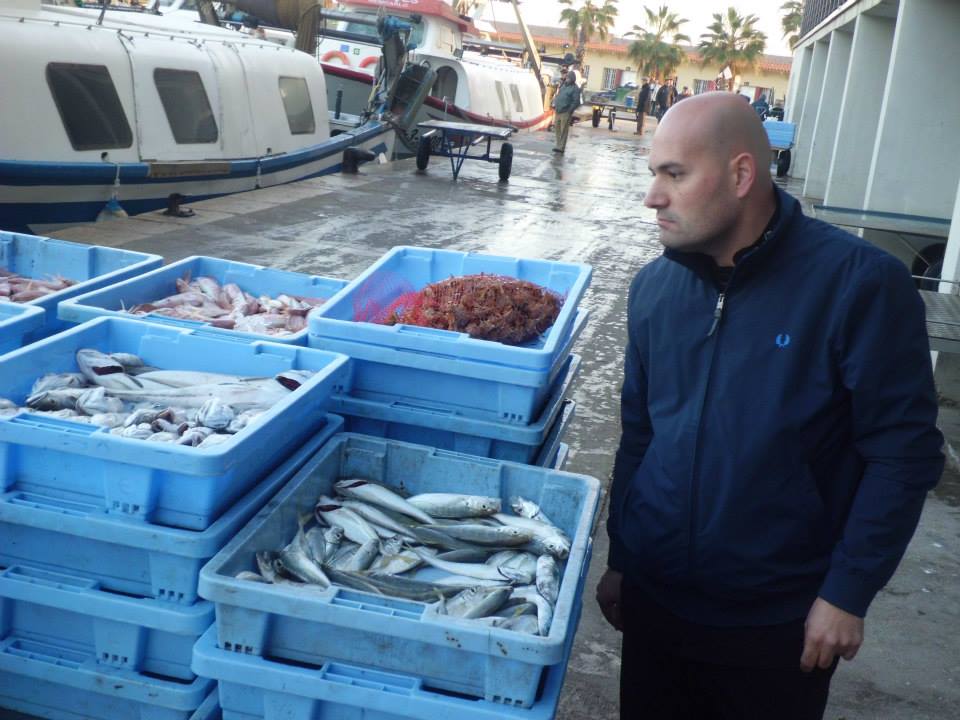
{"x": 455, "y": 141}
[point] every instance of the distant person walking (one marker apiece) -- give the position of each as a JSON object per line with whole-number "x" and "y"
{"x": 665, "y": 97}
{"x": 654, "y": 89}
{"x": 643, "y": 100}
{"x": 566, "y": 101}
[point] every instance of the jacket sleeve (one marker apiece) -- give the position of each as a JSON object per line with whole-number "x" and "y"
{"x": 884, "y": 359}
{"x": 635, "y": 437}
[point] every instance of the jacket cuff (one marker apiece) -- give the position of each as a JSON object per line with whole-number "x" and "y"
{"x": 847, "y": 592}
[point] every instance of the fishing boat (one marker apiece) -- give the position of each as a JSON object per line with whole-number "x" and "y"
{"x": 474, "y": 82}
{"x": 114, "y": 111}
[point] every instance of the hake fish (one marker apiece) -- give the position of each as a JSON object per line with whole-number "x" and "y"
{"x": 375, "y": 494}
{"x": 476, "y": 602}
{"x": 455, "y": 505}
{"x": 529, "y": 509}
{"x": 354, "y": 527}
{"x": 476, "y": 570}
{"x": 501, "y": 535}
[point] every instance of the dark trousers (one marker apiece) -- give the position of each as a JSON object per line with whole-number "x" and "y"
{"x": 673, "y": 669}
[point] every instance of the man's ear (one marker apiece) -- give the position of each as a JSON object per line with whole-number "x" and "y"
{"x": 744, "y": 169}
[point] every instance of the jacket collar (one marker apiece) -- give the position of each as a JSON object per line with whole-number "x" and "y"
{"x": 754, "y": 257}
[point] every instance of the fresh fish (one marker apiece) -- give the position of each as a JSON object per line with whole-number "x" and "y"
{"x": 251, "y": 576}
{"x": 546, "y": 538}
{"x": 143, "y": 415}
{"x": 315, "y": 543}
{"x": 548, "y": 578}
{"x": 244, "y": 419}
{"x": 260, "y": 394}
{"x": 477, "y": 602}
{"x": 455, "y": 505}
{"x": 378, "y": 519}
{"x": 516, "y": 608}
{"x": 108, "y": 420}
{"x": 529, "y": 624}
{"x": 476, "y": 570}
{"x": 215, "y": 414}
{"x": 103, "y": 370}
{"x": 163, "y": 437}
{"x": 529, "y": 509}
{"x": 267, "y": 564}
{"x": 135, "y": 432}
{"x": 296, "y": 562}
{"x": 187, "y": 378}
{"x": 128, "y": 360}
{"x": 556, "y": 545}
{"x": 489, "y": 534}
{"x": 163, "y": 425}
{"x": 64, "y": 398}
{"x": 468, "y": 555}
{"x": 364, "y": 556}
{"x": 332, "y": 536}
{"x": 195, "y": 436}
{"x": 529, "y": 593}
{"x": 459, "y": 580}
{"x": 95, "y": 401}
{"x": 58, "y": 381}
{"x": 214, "y": 440}
{"x": 380, "y": 496}
{"x": 395, "y": 563}
{"x": 342, "y": 556}
{"x": 437, "y": 538}
{"x": 354, "y": 527}
{"x": 523, "y": 561}
{"x": 392, "y": 585}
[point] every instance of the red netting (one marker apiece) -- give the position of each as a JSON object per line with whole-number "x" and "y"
{"x": 487, "y": 307}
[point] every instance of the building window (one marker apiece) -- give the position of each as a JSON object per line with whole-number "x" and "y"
{"x": 702, "y": 86}
{"x": 515, "y": 93}
{"x": 296, "y": 103}
{"x": 611, "y": 78}
{"x": 186, "y": 104}
{"x": 89, "y": 106}
{"x": 586, "y": 72}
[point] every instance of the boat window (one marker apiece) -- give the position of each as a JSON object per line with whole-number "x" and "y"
{"x": 503, "y": 99}
{"x": 515, "y": 92}
{"x": 186, "y": 105}
{"x": 445, "y": 86}
{"x": 89, "y": 106}
{"x": 296, "y": 102}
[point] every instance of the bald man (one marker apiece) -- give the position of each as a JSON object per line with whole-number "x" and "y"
{"x": 778, "y": 436}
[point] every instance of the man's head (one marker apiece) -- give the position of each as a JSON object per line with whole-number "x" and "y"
{"x": 571, "y": 77}
{"x": 711, "y": 164}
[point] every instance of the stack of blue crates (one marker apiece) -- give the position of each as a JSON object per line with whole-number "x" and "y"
{"x": 40, "y": 258}
{"x": 445, "y": 389}
{"x": 298, "y": 654}
{"x": 102, "y": 537}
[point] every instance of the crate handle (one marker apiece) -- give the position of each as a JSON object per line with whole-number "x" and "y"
{"x": 175, "y": 322}
{"x": 434, "y": 332}
{"x": 52, "y": 504}
{"x": 43, "y": 652}
{"x": 356, "y": 676}
{"x": 43, "y": 423}
{"x": 35, "y": 576}
{"x": 474, "y": 459}
{"x": 227, "y": 336}
{"x": 406, "y": 405}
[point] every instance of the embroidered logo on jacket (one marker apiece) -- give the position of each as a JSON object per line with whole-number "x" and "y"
{"x": 782, "y": 340}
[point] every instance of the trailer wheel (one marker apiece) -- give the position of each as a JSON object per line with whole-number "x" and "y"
{"x": 596, "y": 117}
{"x": 613, "y": 118}
{"x": 783, "y": 163}
{"x": 423, "y": 153}
{"x": 506, "y": 160}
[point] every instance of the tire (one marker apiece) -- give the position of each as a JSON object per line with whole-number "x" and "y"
{"x": 929, "y": 265}
{"x": 505, "y": 164}
{"x": 783, "y": 163}
{"x": 596, "y": 118}
{"x": 613, "y": 119}
{"x": 423, "y": 153}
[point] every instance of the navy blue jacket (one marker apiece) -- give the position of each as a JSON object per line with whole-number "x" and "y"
{"x": 787, "y": 453}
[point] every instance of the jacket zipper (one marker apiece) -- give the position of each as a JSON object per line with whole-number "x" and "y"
{"x": 695, "y": 478}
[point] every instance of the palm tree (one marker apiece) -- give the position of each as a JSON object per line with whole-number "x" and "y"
{"x": 732, "y": 41}
{"x": 791, "y": 21}
{"x": 589, "y": 20}
{"x": 655, "y": 56}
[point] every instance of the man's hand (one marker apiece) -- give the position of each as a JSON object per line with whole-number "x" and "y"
{"x": 829, "y": 631}
{"x": 608, "y": 597}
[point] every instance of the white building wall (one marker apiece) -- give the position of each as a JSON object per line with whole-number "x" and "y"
{"x": 799, "y": 76}
{"x": 810, "y": 108}
{"x": 824, "y": 136}
{"x": 860, "y": 111}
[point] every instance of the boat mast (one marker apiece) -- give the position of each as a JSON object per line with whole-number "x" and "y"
{"x": 531, "y": 47}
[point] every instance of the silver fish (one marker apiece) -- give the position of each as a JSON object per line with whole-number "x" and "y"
{"x": 58, "y": 381}
{"x": 64, "y": 398}
{"x": 109, "y": 420}
{"x": 380, "y": 496}
{"x": 467, "y": 555}
{"x": 548, "y": 578}
{"x": 455, "y": 505}
{"x": 530, "y": 594}
{"x": 546, "y": 538}
{"x": 296, "y": 562}
{"x": 214, "y": 440}
{"x": 395, "y": 563}
{"x": 95, "y": 401}
{"x": 476, "y": 570}
{"x": 251, "y": 576}
{"x": 489, "y": 535}
{"x": 354, "y": 527}
{"x": 477, "y": 602}
{"x": 342, "y": 556}
{"x": 363, "y": 557}
{"x": 516, "y": 608}
{"x": 128, "y": 360}
{"x": 529, "y": 509}
{"x": 392, "y": 585}
{"x": 378, "y": 519}
{"x": 195, "y": 436}
{"x": 187, "y": 378}
{"x": 432, "y": 535}
{"x": 215, "y": 414}
{"x": 529, "y": 624}
{"x": 261, "y": 394}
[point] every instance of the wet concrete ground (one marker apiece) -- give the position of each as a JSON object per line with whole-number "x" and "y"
{"x": 585, "y": 206}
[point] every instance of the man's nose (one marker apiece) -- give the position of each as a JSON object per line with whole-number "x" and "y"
{"x": 654, "y": 198}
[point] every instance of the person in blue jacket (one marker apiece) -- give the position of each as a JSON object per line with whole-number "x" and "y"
{"x": 778, "y": 436}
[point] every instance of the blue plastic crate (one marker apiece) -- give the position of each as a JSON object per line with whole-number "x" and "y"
{"x": 551, "y": 445}
{"x": 61, "y": 683}
{"x": 448, "y": 430}
{"x": 209, "y": 709}
{"x": 397, "y": 635}
{"x": 255, "y": 688}
{"x": 18, "y": 321}
{"x": 156, "y": 482}
{"x": 91, "y": 266}
{"x": 403, "y": 269}
{"x": 478, "y": 390}
{"x": 131, "y": 557}
{"x": 560, "y": 459}
{"x": 160, "y": 283}
{"x": 120, "y": 631}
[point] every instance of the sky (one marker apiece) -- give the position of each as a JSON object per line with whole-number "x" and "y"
{"x": 699, "y": 14}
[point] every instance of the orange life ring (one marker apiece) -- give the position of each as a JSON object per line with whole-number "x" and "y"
{"x": 369, "y": 60}
{"x": 338, "y": 54}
